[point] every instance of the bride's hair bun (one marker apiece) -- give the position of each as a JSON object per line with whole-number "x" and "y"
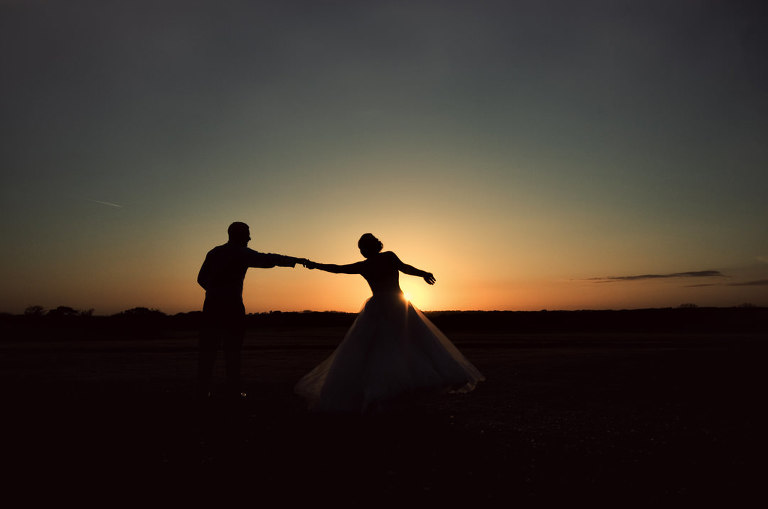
{"x": 369, "y": 244}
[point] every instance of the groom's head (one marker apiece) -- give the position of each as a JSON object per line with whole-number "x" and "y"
{"x": 239, "y": 233}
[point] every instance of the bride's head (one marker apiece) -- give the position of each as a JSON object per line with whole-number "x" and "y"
{"x": 369, "y": 245}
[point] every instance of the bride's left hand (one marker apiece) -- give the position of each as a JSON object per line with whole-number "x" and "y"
{"x": 429, "y": 278}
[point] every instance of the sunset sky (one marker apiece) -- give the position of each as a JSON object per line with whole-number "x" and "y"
{"x": 531, "y": 154}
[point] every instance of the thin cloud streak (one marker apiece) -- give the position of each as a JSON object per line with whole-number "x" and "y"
{"x": 107, "y": 203}
{"x": 759, "y": 282}
{"x": 700, "y": 273}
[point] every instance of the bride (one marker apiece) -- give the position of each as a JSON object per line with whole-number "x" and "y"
{"x": 390, "y": 350}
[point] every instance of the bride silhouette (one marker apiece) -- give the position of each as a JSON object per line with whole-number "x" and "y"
{"x": 391, "y": 349}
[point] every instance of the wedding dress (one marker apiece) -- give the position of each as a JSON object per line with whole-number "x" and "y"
{"x": 390, "y": 350}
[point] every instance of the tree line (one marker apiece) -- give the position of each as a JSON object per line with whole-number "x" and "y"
{"x": 745, "y": 318}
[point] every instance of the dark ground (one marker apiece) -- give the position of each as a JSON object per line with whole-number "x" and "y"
{"x": 613, "y": 418}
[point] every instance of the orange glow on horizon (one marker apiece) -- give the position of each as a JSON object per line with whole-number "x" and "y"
{"x": 162, "y": 275}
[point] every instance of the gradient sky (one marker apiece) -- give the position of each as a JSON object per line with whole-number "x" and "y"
{"x": 531, "y": 154}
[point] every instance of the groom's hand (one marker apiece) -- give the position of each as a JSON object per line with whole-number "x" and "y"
{"x": 309, "y": 264}
{"x": 298, "y": 261}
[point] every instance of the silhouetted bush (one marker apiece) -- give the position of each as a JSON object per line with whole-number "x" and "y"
{"x": 34, "y": 311}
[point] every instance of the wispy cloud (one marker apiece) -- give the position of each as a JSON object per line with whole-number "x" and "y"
{"x": 759, "y": 282}
{"x": 699, "y": 273}
{"x": 107, "y": 203}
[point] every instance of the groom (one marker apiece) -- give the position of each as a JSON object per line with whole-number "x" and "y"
{"x": 222, "y": 276}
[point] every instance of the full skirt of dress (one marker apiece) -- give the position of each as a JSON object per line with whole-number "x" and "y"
{"x": 390, "y": 350}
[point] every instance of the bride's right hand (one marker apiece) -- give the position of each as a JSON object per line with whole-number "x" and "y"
{"x": 429, "y": 278}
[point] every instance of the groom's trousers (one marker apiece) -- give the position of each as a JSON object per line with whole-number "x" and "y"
{"x": 223, "y": 327}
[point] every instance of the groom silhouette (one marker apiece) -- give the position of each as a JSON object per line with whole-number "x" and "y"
{"x": 222, "y": 276}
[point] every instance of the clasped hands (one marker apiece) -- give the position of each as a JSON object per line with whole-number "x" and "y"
{"x": 308, "y": 264}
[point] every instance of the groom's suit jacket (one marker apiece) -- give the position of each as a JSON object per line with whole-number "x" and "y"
{"x": 224, "y": 269}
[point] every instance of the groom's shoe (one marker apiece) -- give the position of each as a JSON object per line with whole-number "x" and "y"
{"x": 236, "y": 396}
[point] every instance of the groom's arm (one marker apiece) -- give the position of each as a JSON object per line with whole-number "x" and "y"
{"x": 285, "y": 261}
{"x": 269, "y": 260}
{"x": 204, "y": 276}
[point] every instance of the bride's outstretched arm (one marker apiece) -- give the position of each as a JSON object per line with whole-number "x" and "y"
{"x": 413, "y": 271}
{"x": 351, "y": 268}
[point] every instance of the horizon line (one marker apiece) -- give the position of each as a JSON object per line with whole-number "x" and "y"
{"x": 91, "y": 313}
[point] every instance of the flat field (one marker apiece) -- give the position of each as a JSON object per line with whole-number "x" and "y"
{"x": 613, "y": 418}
